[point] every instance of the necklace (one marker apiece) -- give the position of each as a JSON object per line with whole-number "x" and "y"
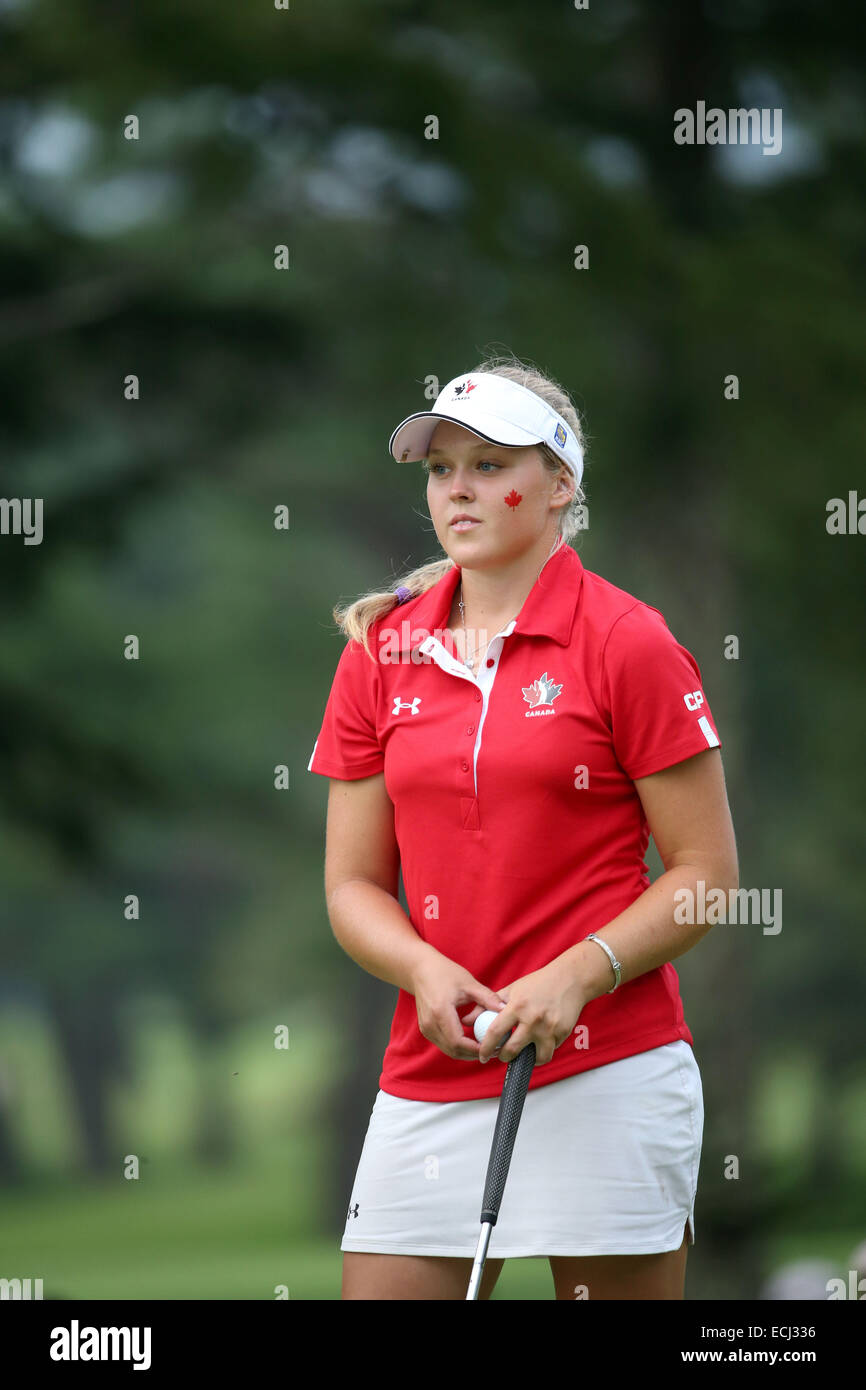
{"x": 467, "y": 660}
{"x": 470, "y": 660}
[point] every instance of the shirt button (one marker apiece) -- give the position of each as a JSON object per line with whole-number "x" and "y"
{"x": 490, "y": 661}
{"x": 465, "y": 766}
{"x": 478, "y": 694}
{"x": 470, "y": 728}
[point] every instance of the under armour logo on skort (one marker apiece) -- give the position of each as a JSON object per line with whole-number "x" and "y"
{"x": 353, "y": 1211}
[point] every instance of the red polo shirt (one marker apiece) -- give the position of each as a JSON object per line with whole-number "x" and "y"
{"x": 519, "y": 827}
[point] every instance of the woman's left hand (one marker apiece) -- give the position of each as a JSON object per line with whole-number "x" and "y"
{"x": 542, "y": 1008}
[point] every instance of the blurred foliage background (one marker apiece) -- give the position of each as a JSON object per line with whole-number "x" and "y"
{"x": 259, "y": 388}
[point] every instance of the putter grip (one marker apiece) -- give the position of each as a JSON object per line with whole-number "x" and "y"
{"x": 514, "y": 1090}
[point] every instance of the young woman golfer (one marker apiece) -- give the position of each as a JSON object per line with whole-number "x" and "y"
{"x": 507, "y": 728}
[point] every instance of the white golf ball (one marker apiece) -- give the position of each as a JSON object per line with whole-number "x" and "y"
{"x": 482, "y": 1023}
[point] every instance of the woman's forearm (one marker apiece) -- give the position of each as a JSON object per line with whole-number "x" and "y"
{"x": 373, "y": 929}
{"x": 646, "y": 934}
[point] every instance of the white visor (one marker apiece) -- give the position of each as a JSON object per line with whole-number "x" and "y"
{"x": 495, "y": 409}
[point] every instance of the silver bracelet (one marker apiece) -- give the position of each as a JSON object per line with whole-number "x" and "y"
{"x": 613, "y": 960}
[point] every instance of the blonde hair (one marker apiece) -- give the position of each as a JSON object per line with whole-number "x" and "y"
{"x": 356, "y": 618}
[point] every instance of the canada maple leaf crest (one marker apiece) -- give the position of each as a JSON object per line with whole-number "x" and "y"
{"x": 542, "y": 691}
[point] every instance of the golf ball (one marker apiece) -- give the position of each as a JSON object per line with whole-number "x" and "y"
{"x": 483, "y": 1022}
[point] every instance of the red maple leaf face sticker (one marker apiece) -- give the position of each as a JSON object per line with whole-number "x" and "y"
{"x": 513, "y": 498}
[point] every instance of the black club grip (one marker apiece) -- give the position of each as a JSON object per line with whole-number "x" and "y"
{"x": 514, "y": 1090}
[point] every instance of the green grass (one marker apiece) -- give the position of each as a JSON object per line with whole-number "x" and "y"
{"x": 234, "y": 1234}
{"x": 193, "y": 1234}
{"x": 183, "y": 1231}
{"x": 238, "y": 1233}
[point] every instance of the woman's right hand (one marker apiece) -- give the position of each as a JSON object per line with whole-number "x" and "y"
{"x": 441, "y": 987}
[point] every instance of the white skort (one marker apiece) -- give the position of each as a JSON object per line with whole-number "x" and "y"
{"x": 605, "y": 1163}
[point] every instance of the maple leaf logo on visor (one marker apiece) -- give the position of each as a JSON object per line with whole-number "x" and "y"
{"x": 542, "y": 691}
{"x": 466, "y": 386}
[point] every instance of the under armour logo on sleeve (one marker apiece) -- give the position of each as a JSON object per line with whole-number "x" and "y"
{"x": 410, "y": 704}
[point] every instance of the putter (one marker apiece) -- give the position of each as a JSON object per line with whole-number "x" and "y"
{"x": 514, "y": 1089}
